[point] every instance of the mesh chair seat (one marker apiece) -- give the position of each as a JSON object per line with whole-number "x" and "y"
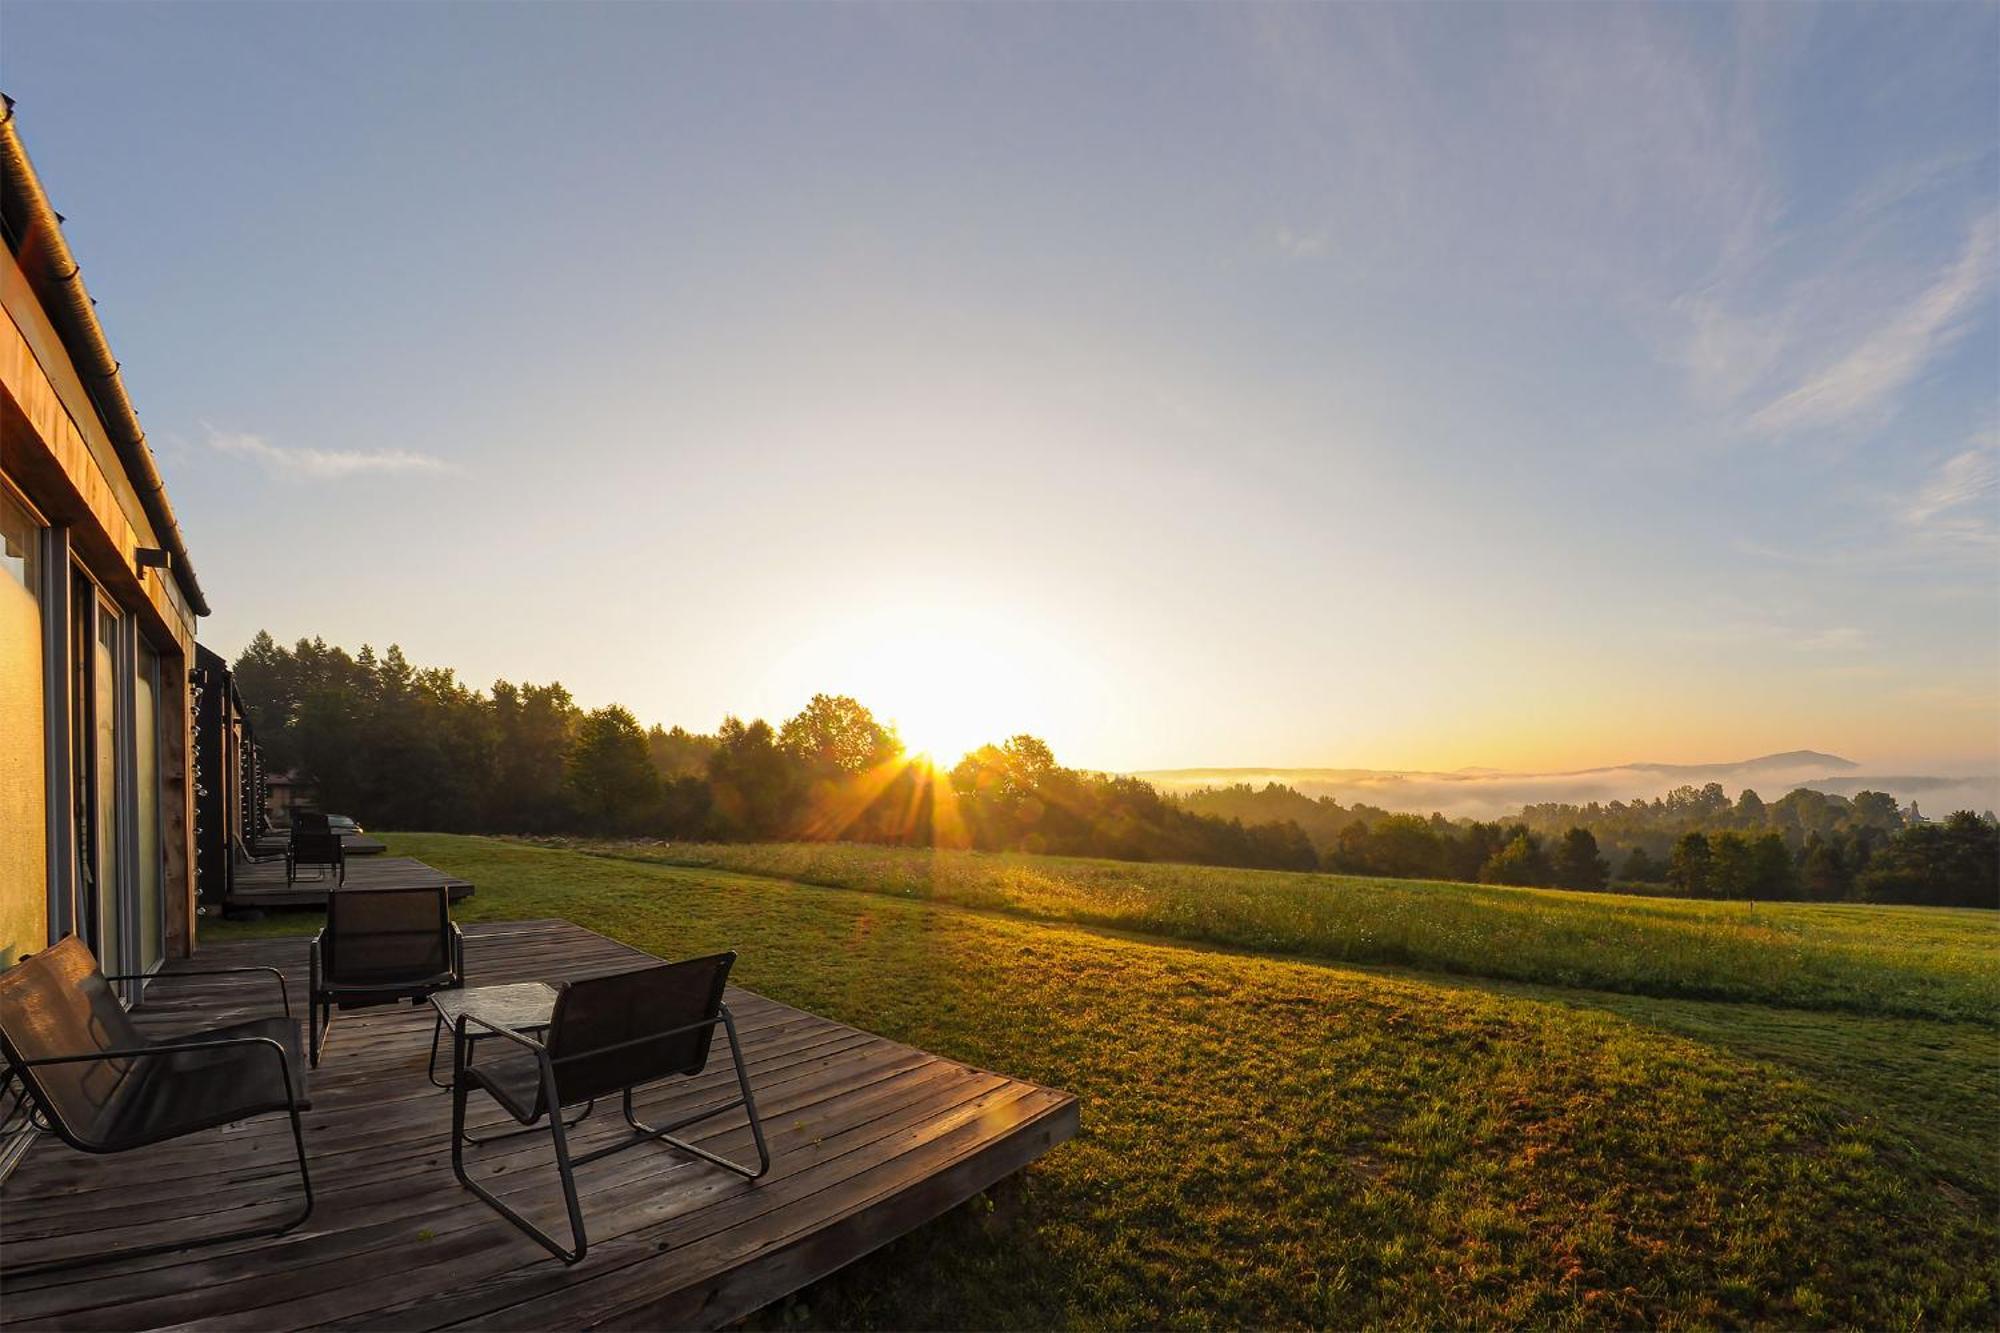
{"x": 182, "y": 1092}
{"x": 105, "y": 1087}
{"x": 514, "y": 1077}
{"x": 611, "y": 1033}
{"x": 379, "y": 946}
{"x": 606, "y": 1035}
{"x": 389, "y": 975}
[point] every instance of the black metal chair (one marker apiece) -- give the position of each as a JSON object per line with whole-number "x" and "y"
{"x": 102, "y": 1086}
{"x": 607, "y": 1034}
{"x": 310, "y": 847}
{"x": 379, "y": 946}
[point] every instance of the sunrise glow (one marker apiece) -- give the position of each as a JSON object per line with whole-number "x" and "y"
{"x": 949, "y": 678}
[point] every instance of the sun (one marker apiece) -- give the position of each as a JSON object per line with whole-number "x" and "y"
{"x": 948, "y": 679}
{"x": 944, "y": 699}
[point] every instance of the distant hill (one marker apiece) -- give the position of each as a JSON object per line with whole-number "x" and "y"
{"x": 1791, "y": 761}
{"x": 1484, "y": 793}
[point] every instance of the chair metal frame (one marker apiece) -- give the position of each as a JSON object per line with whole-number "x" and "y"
{"x": 47, "y": 1119}
{"x": 323, "y": 997}
{"x": 552, "y": 1107}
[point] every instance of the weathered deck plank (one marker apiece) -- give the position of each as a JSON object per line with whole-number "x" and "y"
{"x": 869, "y": 1138}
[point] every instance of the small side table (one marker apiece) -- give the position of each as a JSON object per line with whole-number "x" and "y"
{"x": 525, "y": 1006}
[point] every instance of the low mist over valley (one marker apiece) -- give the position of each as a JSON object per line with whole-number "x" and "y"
{"x": 1482, "y": 793}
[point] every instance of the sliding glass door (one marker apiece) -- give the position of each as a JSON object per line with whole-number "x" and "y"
{"x": 117, "y": 708}
{"x": 107, "y": 826}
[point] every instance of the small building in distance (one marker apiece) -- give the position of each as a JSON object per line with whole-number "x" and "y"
{"x": 285, "y": 793}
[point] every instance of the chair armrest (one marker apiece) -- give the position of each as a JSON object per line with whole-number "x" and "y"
{"x": 518, "y": 1038}
{"x": 159, "y": 1048}
{"x": 284, "y": 992}
{"x": 378, "y": 988}
{"x": 723, "y": 1018}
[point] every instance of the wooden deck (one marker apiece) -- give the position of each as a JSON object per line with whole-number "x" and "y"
{"x": 354, "y": 844}
{"x": 262, "y": 883}
{"x": 869, "y": 1139}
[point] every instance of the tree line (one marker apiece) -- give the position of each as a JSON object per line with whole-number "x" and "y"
{"x": 399, "y": 746}
{"x": 1694, "y": 841}
{"x": 415, "y": 748}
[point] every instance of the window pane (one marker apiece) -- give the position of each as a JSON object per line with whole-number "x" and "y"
{"x": 23, "y": 729}
{"x": 110, "y": 902}
{"x": 146, "y": 741}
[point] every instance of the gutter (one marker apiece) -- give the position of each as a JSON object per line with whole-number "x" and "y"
{"x": 34, "y": 230}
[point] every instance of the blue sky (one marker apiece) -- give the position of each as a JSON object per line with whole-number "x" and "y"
{"x": 1379, "y": 385}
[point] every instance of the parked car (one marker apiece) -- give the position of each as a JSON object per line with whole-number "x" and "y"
{"x": 343, "y": 825}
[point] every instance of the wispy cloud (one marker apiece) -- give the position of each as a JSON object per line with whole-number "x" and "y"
{"x": 1862, "y": 383}
{"x": 1945, "y": 524}
{"x": 320, "y": 464}
{"x": 1957, "y": 502}
{"x": 1301, "y": 244}
{"x": 1834, "y": 638}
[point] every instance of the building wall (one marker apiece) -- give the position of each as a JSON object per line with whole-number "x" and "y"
{"x": 23, "y": 777}
{"x": 57, "y": 456}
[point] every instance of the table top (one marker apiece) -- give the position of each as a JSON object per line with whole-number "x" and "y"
{"x": 525, "y": 1004}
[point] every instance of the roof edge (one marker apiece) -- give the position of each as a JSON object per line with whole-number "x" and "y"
{"x": 35, "y": 231}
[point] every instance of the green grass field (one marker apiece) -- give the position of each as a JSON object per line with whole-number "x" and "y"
{"x": 1471, "y": 1136}
{"x": 1923, "y": 962}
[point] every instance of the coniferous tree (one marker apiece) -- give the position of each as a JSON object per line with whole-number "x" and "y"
{"x": 1689, "y": 870}
{"x": 1577, "y": 863}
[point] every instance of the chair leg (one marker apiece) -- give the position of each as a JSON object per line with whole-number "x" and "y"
{"x": 437, "y": 1031}
{"x": 322, "y": 1024}
{"x": 169, "y": 1247}
{"x": 747, "y": 1101}
{"x": 564, "y": 1168}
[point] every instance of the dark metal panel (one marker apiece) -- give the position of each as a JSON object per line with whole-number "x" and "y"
{"x": 213, "y": 784}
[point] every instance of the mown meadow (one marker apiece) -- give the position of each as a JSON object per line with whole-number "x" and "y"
{"x": 1924, "y": 962}
{"x": 1276, "y": 1134}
